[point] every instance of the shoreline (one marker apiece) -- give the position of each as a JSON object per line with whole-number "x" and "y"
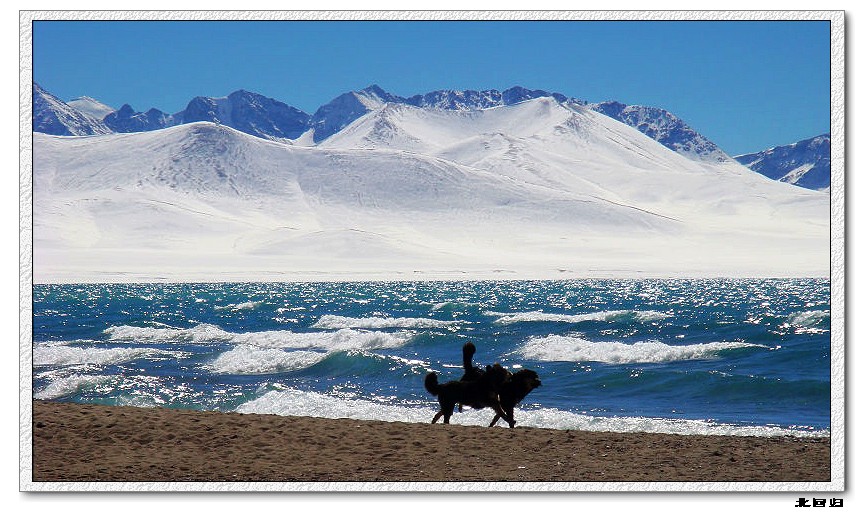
{"x": 400, "y": 277}
{"x": 98, "y": 443}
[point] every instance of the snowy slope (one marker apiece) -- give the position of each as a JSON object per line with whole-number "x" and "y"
{"x": 536, "y": 189}
{"x": 92, "y": 107}
{"x": 564, "y": 147}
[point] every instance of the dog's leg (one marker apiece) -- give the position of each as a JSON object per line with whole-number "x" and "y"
{"x": 448, "y": 411}
{"x": 495, "y": 420}
{"x": 512, "y": 420}
{"x": 507, "y": 417}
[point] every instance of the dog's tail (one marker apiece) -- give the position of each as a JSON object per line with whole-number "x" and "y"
{"x": 431, "y": 383}
{"x": 468, "y": 351}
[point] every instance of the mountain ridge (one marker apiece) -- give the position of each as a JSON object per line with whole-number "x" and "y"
{"x": 268, "y": 118}
{"x": 664, "y": 127}
{"x": 341, "y": 111}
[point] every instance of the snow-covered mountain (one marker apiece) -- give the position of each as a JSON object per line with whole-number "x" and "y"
{"x": 55, "y": 117}
{"x": 806, "y": 163}
{"x": 538, "y": 188}
{"x": 271, "y": 119}
{"x": 659, "y": 124}
{"x": 346, "y": 108}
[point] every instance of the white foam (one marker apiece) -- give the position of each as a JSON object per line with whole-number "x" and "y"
{"x": 62, "y": 355}
{"x": 292, "y": 402}
{"x": 808, "y": 318}
{"x": 343, "y": 339}
{"x": 241, "y": 306}
{"x": 250, "y": 360}
{"x": 575, "y": 348}
{"x": 201, "y": 333}
{"x": 554, "y": 418}
{"x": 599, "y": 316}
{"x": 374, "y": 322}
{"x": 290, "y": 309}
{"x": 70, "y": 384}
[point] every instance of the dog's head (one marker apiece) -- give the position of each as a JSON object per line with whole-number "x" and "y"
{"x": 527, "y": 378}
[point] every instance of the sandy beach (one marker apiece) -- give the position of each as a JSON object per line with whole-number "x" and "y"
{"x": 90, "y": 443}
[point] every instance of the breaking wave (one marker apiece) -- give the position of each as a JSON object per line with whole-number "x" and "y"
{"x": 69, "y": 385}
{"x": 62, "y": 355}
{"x": 600, "y": 316}
{"x": 343, "y": 339}
{"x": 374, "y": 322}
{"x": 576, "y": 349}
{"x": 808, "y": 318}
{"x": 201, "y": 333}
{"x": 250, "y": 360}
{"x": 808, "y": 322}
{"x": 239, "y": 307}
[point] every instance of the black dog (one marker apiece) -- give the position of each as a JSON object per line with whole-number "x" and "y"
{"x": 479, "y": 393}
{"x": 513, "y": 390}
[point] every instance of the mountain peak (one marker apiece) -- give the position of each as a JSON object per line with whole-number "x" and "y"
{"x": 127, "y": 120}
{"x": 243, "y": 93}
{"x": 664, "y": 127}
{"x": 806, "y": 163}
{"x": 376, "y": 90}
{"x": 54, "y": 116}
{"x": 469, "y": 99}
{"x": 91, "y": 107}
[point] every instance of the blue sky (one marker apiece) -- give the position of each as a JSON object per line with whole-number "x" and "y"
{"x": 745, "y": 85}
